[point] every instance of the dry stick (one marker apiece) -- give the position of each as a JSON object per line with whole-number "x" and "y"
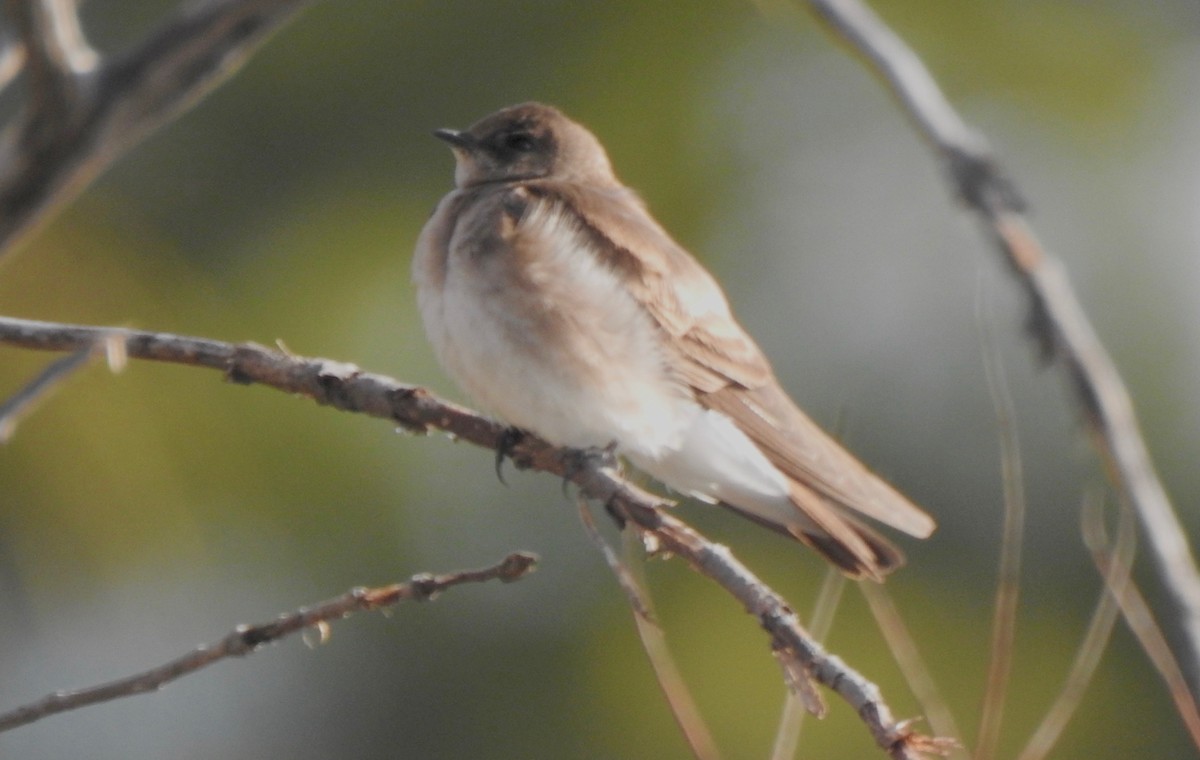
{"x": 347, "y": 388}
{"x": 1058, "y": 319}
{"x": 654, "y": 641}
{"x": 631, "y": 586}
{"x": 666, "y": 672}
{"x": 1008, "y": 580}
{"x": 84, "y": 111}
{"x": 247, "y": 639}
{"x": 916, "y": 671}
{"x": 1095, "y": 641}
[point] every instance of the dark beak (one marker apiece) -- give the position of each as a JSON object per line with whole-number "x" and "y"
{"x": 456, "y": 138}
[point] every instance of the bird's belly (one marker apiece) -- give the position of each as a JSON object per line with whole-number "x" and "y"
{"x": 583, "y": 370}
{"x": 562, "y": 386}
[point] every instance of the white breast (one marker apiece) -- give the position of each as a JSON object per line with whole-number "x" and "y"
{"x": 559, "y": 347}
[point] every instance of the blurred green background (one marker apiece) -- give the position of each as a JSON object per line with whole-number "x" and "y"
{"x": 145, "y": 512}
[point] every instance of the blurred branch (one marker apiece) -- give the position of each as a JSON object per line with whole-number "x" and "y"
{"x": 917, "y": 675}
{"x": 1104, "y": 617}
{"x": 1058, "y": 320}
{"x": 1138, "y": 617}
{"x": 247, "y": 639}
{"x": 84, "y": 110}
{"x": 654, "y": 642}
{"x": 345, "y": 387}
{"x": 23, "y": 402}
{"x": 1008, "y": 579}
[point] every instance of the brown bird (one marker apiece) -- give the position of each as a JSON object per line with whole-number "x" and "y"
{"x": 557, "y": 302}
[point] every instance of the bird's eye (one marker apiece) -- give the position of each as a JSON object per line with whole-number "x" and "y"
{"x": 520, "y": 142}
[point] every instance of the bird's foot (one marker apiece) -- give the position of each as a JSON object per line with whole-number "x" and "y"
{"x": 509, "y": 439}
{"x": 576, "y": 461}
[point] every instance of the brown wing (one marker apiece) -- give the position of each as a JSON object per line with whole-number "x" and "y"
{"x": 729, "y": 373}
{"x": 804, "y": 452}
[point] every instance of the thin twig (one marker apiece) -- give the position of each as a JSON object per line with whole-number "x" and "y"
{"x": 916, "y": 671}
{"x": 654, "y": 642}
{"x": 1058, "y": 319}
{"x": 20, "y": 404}
{"x": 1008, "y": 578}
{"x": 1095, "y": 641}
{"x": 1137, "y": 615}
{"x": 345, "y": 387}
{"x": 635, "y": 592}
{"x": 247, "y": 639}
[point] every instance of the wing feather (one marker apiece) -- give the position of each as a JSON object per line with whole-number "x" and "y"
{"x": 715, "y": 357}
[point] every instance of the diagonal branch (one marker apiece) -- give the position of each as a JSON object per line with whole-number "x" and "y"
{"x": 248, "y": 639}
{"x": 1058, "y": 319}
{"x": 23, "y": 402}
{"x": 85, "y": 111}
{"x": 345, "y": 387}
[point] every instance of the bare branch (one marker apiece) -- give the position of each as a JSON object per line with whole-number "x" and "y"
{"x": 345, "y": 387}
{"x": 247, "y": 639}
{"x": 83, "y": 112}
{"x": 1058, "y": 319}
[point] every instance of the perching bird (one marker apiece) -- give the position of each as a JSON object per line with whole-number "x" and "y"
{"x": 555, "y": 300}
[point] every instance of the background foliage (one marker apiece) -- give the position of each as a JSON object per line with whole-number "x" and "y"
{"x": 145, "y": 512}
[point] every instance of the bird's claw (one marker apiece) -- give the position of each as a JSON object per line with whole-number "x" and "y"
{"x": 504, "y": 448}
{"x": 577, "y": 460}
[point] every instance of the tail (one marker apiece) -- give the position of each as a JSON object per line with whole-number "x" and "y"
{"x": 881, "y": 557}
{"x": 851, "y": 546}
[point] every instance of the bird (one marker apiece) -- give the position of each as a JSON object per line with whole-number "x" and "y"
{"x": 554, "y": 299}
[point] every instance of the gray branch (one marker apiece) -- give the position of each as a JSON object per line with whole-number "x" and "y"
{"x": 346, "y": 387}
{"x": 1058, "y": 320}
